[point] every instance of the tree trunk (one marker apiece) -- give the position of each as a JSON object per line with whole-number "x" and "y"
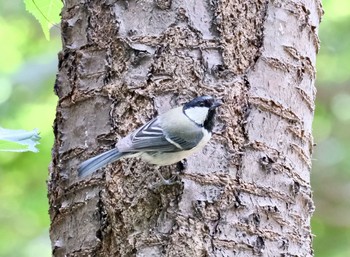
{"x": 248, "y": 193}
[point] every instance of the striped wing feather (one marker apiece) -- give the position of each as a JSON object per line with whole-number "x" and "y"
{"x": 151, "y": 137}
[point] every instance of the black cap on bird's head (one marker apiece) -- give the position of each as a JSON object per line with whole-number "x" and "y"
{"x": 201, "y": 110}
{"x": 203, "y": 101}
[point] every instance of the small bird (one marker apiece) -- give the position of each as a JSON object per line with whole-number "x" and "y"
{"x": 167, "y": 139}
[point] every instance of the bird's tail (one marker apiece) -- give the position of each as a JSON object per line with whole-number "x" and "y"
{"x": 89, "y": 166}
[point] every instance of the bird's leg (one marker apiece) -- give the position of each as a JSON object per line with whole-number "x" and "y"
{"x": 164, "y": 182}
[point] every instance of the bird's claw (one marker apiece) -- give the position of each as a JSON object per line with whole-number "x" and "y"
{"x": 165, "y": 182}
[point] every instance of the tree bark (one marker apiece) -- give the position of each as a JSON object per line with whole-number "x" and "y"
{"x": 248, "y": 192}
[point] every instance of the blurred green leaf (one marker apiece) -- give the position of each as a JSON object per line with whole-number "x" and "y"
{"x": 337, "y": 9}
{"x": 47, "y": 12}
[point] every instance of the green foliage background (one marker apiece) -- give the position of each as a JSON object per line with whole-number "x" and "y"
{"x": 28, "y": 64}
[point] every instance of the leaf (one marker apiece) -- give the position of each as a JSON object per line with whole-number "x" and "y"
{"x": 27, "y": 140}
{"x": 47, "y": 12}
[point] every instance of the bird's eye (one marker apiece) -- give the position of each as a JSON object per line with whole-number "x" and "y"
{"x": 201, "y": 104}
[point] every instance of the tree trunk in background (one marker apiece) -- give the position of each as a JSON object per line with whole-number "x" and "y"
{"x": 248, "y": 193}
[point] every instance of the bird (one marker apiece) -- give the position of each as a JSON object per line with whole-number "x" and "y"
{"x": 164, "y": 140}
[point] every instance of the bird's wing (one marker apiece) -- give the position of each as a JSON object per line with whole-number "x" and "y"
{"x": 151, "y": 137}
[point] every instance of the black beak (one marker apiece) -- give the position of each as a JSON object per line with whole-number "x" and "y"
{"x": 216, "y": 104}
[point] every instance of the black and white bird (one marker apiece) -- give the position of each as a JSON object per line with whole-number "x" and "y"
{"x": 167, "y": 139}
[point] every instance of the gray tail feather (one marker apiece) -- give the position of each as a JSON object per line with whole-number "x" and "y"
{"x": 89, "y": 166}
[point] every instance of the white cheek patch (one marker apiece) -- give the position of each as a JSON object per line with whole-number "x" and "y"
{"x": 197, "y": 114}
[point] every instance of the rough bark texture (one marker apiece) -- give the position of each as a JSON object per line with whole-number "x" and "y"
{"x": 248, "y": 193}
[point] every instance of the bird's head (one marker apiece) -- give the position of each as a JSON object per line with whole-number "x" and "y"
{"x": 201, "y": 110}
